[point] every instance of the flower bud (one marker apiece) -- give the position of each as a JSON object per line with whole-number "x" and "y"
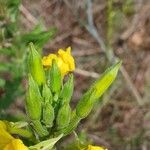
{"x": 39, "y": 129}
{"x": 33, "y": 100}
{"x": 46, "y": 94}
{"x": 35, "y": 66}
{"x": 102, "y": 84}
{"x": 55, "y": 78}
{"x": 97, "y": 89}
{"x": 63, "y": 117}
{"x": 67, "y": 90}
{"x": 85, "y": 104}
{"x": 48, "y": 115}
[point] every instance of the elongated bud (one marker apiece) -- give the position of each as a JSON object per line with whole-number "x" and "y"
{"x": 40, "y": 130}
{"x": 72, "y": 125}
{"x": 35, "y": 66}
{"x": 85, "y": 104}
{"x": 63, "y": 117}
{"x": 67, "y": 90}
{"x": 47, "y": 95}
{"x": 55, "y": 78}
{"x": 102, "y": 84}
{"x": 48, "y": 115}
{"x": 33, "y": 100}
{"x": 97, "y": 89}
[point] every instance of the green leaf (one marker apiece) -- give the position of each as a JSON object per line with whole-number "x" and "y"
{"x": 38, "y": 36}
{"x": 47, "y": 144}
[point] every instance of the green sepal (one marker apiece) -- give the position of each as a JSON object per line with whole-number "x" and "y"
{"x": 63, "y": 117}
{"x": 33, "y": 100}
{"x": 55, "y": 78}
{"x": 47, "y": 94}
{"x": 48, "y": 115}
{"x": 67, "y": 90}
{"x": 39, "y": 128}
{"x": 96, "y": 90}
{"x": 35, "y": 66}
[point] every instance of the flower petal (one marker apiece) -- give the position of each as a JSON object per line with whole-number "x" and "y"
{"x": 15, "y": 144}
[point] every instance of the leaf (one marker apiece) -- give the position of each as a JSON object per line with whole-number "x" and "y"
{"x": 38, "y": 36}
{"x": 47, "y": 144}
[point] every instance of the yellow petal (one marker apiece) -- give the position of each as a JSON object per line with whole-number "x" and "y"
{"x": 5, "y": 138}
{"x": 47, "y": 60}
{"x": 69, "y": 50}
{"x": 67, "y": 59}
{"x": 15, "y": 144}
{"x": 3, "y": 125}
{"x": 64, "y": 60}
{"x": 64, "y": 68}
{"x": 90, "y": 147}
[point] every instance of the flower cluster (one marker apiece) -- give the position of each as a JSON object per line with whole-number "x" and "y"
{"x": 47, "y": 102}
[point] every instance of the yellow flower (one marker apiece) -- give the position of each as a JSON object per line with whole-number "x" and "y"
{"x": 5, "y": 137}
{"x": 15, "y": 144}
{"x": 7, "y": 141}
{"x": 90, "y": 147}
{"x": 64, "y": 60}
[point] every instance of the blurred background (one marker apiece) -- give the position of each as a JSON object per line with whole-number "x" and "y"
{"x": 100, "y": 32}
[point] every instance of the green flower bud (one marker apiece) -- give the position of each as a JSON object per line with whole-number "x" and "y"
{"x": 63, "y": 117}
{"x": 33, "y": 100}
{"x": 48, "y": 115}
{"x": 39, "y": 129}
{"x": 97, "y": 89}
{"x": 102, "y": 84}
{"x": 67, "y": 90}
{"x": 72, "y": 125}
{"x": 47, "y": 95}
{"x": 85, "y": 104}
{"x": 55, "y": 78}
{"x": 35, "y": 66}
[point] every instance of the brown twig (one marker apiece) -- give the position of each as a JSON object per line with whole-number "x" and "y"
{"x": 86, "y": 73}
{"x": 134, "y": 23}
{"x": 28, "y": 15}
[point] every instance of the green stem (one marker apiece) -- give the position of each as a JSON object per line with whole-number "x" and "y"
{"x": 21, "y": 132}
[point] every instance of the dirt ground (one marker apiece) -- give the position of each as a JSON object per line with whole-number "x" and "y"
{"x": 122, "y": 120}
